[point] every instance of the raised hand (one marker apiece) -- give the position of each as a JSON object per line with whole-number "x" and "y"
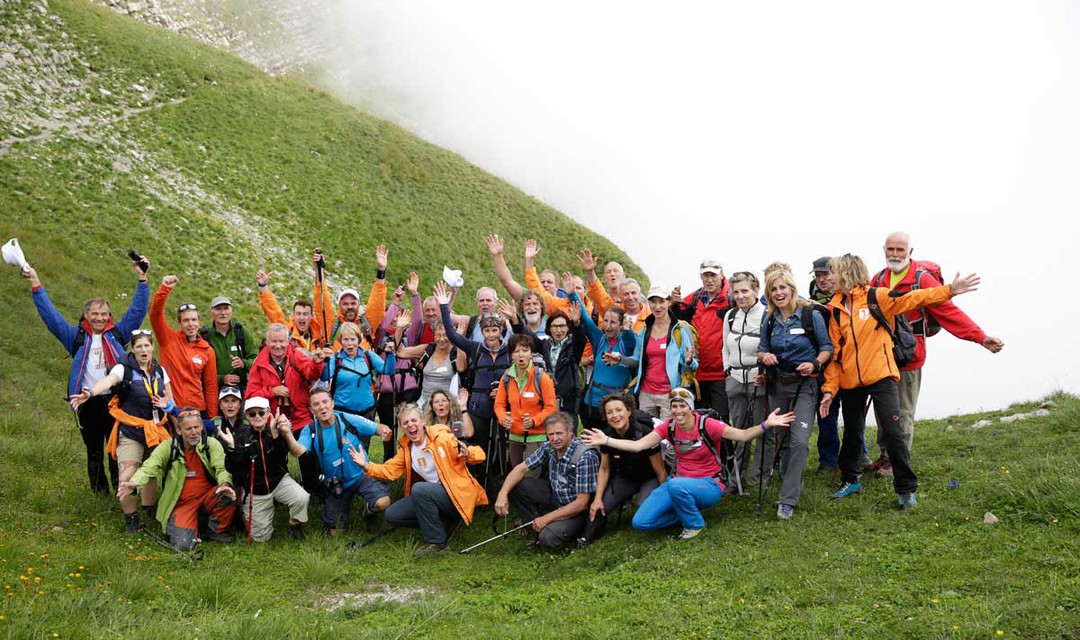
{"x": 31, "y": 275}
{"x": 262, "y": 278}
{"x": 532, "y": 249}
{"x": 463, "y": 399}
{"x": 440, "y": 293}
{"x": 399, "y": 295}
{"x": 226, "y": 437}
{"x": 508, "y": 310}
{"x": 964, "y": 285}
{"x": 381, "y": 255}
{"x": 413, "y": 283}
{"x": 587, "y": 260}
{"x": 495, "y": 245}
{"x": 170, "y": 281}
{"x": 138, "y": 267}
{"x": 567, "y": 281}
{"x": 573, "y": 311}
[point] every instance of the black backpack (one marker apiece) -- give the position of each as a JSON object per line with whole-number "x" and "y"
{"x": 80, "y": 338}
{"x": 902, "y": 335}
{"x": 702, "y": 436}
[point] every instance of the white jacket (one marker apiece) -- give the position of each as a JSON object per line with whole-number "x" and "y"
{"x": 742, "y": 332}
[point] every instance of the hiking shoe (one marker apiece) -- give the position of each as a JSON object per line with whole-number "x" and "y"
{"x": 131, "y": 523}
{"x": 785, "y": 511}
{"x": 908, "y": 500}
{"x": 877, "y": 464}
{"x": 296, "y": 531}
{"x": 884, "y": 471}
{"x": 847, "y": 489}
{"x": 690, "y": 533}
{"x": 220, "y": 537}
{"x": 429, "y": 548}
{"x": 368, "y": 512}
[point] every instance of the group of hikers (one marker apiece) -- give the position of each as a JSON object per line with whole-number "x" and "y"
{"x": 562, "y": 401}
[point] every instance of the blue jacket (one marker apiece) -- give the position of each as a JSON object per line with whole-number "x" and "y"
{"x": 487, "y": 367}
{"x": 66, "y": 333}
{"x": 352, "y": 390}
{"x": 608, "y": 379}
{"x": 334, "y": 461}
{"x": 788, "y": 340}
{"x": 674, "y": 358}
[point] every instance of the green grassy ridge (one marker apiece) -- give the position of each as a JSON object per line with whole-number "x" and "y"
{"x": 859, "y": 568}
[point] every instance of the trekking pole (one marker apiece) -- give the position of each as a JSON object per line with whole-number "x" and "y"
{"x": 493, "y": 538}
{"x": 353, "y": 546}
{"x": 761, "y": 462}
{"x": 320, "y": 283}
{"x": 193, "y": 555}
{"x": 251, "y": 499}
{"x": 776, "y": 450}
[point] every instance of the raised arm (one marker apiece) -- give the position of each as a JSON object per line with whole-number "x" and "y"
{"x": 495, "y": 247}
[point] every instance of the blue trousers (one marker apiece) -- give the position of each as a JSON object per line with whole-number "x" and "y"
{"x": 679, "y": 500}
{"x": 828, "y": 437}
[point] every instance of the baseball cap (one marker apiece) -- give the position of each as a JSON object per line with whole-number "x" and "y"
{"x": 821, "y": 264}
{"x": 658, "y": 291}
{"x": 256, "y": 402}
{"x": 229, "y": 391}
{"x": 220, "y": 300}
{"x": 710, "y": 266}
{"x": 348, "y": 292}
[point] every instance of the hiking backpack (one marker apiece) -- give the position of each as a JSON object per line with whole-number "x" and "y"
{"x": 702, "y": 436}
{"x": 926, "y": 325}
{"x": 80, "y": 338}
{"x": 902, "y": 335}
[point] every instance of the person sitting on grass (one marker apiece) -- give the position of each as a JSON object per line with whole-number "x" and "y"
{"x": 331, "y": 436}
{"x": 558, "y": 506}
{"x": 193, "y": 477}
{"x": 259, "y": 456}
{"x": 438, "y": 485}
{"x": 697, "y": 484}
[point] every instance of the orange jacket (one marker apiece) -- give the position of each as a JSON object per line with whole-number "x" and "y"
{"x": 527, "y": 400}
{"x": 863, "y": 350}
{"x": 273, "y": 312}
{"x": 603, "y": 301}
{"x": 464, "y": 491}
{"x": 553, "y": 303}
{"x": 192, "y": 366}
{"x": 374, "y": 311}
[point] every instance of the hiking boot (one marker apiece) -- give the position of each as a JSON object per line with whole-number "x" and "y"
{"x": 785, "y": 511}
{"x": 296, "y": 531}
{"x": 876, "y": 464}
{"x": 131, "y": 523}
{"x": 884, "y": 471}
{"x": 847, "y": 489}
{"x": 687, "y": 534}
{"x": 429, "y": 548}
{"x": 225, "y": 538}
{"x": 908, "y": 500}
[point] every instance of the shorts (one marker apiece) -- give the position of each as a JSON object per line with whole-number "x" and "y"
{"x": 336, "y": 509}
{"x": 131, "y": 450}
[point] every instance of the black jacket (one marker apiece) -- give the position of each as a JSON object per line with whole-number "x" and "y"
{"x": 270, "y": 455}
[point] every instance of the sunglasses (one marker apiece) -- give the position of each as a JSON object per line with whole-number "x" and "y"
{"x": 141, "y": 332}
{"x": 681, "y": 394}
{"x": 256, "y": 413}
{"x": 189, "y": 412}
{"x": 188, "y": 306}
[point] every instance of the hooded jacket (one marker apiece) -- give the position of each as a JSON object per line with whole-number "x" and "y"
{"x": 707, "y": 316}
{"x": 192, "y": 366}
{"x": 674, "y": 353}
{"x": 300, "y": 372}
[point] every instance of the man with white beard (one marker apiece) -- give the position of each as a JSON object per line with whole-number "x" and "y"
{"x": 899, "y": 276}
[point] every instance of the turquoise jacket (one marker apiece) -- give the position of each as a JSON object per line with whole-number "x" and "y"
{"x": 674, "y": 355}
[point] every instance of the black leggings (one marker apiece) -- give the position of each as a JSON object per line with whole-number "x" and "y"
{"x": 95, "y": 425}
{"x": 886, "y": 399}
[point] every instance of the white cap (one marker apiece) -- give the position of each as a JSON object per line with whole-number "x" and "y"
{"x": 13, "y": 254}
{"x": 349, "y": 292}
{"x": 658, "y": 291}
{"x": 257, "y": 402}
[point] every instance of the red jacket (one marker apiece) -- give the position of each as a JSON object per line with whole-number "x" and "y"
{"x": 300, "y": 372}
{"x": 947, "y": 314}
{"x": 708, "y": 319}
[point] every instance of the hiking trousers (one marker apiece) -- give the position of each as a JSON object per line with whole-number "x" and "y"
{"x": 678, "y": 501}
{"x": 618, "y": 492}
{"x": 260, "y": 509}
{"x": 887, "y": 410}
{"x": 427, "y": 507}
{"x": 532, "y": 498}
{"x": 95, "y": 425}
{"x": 801, "y": 397}
{"x": 183, "y": 526}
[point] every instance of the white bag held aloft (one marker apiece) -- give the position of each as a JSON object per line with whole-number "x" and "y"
{"x": 452, "y": 277}
{"x": 13, "y": 255}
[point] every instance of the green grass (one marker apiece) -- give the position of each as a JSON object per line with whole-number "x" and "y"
{"x": 161, "y": 180}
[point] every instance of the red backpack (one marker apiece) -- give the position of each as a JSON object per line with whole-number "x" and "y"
{"x": 926, "y": 325}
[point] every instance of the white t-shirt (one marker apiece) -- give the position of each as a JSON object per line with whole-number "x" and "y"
{"x": 423, "y": 462}
{"x": 136, "y": 374}
{"x": 95, "y": 362}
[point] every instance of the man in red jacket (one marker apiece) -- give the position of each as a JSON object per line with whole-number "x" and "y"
{"x": 705, "y": 309}
{"x": 900, "y": 276}
{"x": 283, "y": 374}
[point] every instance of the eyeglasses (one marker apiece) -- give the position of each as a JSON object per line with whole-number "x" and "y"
{"x": 188, "y": 306}
{"x": 561, "y": 325}
{"x": 141, "y": 332}
{"x": 256, "y": 413}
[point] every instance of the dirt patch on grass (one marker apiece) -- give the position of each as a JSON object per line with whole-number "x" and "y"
{"x": 385, "y": 594}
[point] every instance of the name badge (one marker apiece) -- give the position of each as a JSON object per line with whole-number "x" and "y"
{"x": 663, "y": 346}
{"x": 190, "y": 474}
{"x": 528, "y": 394}
{"x": 337, "y": 463}
{"x": 797, "y": 331}
{"x": 234, "y": 348}
{"x": 864, "y": 314}
{"x": 196, "y": 359}
{"x": 441, "y": 369}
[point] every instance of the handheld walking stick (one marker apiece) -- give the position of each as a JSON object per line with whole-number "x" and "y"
{"x": 493, "y": 538}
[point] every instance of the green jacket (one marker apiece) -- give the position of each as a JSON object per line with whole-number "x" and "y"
{"x": 225, "y": 347}
{"x": 210, "y": 452}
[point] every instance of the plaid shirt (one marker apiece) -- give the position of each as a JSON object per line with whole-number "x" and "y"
{"x": 567, "y": 480}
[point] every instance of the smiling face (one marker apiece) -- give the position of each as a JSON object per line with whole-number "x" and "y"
{"x": 897, "y": 252}
{"x": 532, "y": 306}
{"x": 189, "y": 324}
{"x": 682, "y": 413}
{"x": 257, "y": 417}
{"x": 617, "y": 415}
{"x": 745, "y": 295}
{"x": 547, "y": 280}
{"x": 222, "y": 315}
{"x": 350, "y": 307}
{"x": 780, "y": 294}
{"x": 430, "y": 310}
{"x": 97, "y": 315}
{"x": 612, "y": 324}
{"x": 631, "y": 297}
{"x": 412, "y": 425}
{"x": 278, "y": 343}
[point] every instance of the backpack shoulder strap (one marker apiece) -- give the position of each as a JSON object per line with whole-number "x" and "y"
{"x": 875, "y": 310}
{"x": 238, "y": 334}
{"x": 704, "y": 435}
{"x": 204, "y": 332}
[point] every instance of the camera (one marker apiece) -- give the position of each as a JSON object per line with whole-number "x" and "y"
{"x": 137, "y": 259}
{"x": 385, "y": 341}
{"x": 335, "y": 488}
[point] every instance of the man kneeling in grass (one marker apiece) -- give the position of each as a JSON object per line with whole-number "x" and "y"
{"x": 194, "y": 479}
{"x": 438, "y": 485}
{"x": 331, "y": 436}
{"x": 558, "y": 506}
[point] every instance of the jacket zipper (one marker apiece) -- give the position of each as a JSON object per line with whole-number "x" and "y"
{"x": 851, "y": 322}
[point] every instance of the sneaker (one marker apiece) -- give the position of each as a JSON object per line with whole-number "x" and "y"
{"x": 785, "y": 511}
{"x": 690, "y": 533}
{"x": 882, "y": 461}
{"x": 429, "y": 548}
{"x": 908, "y": 500}
{"x": 296, "y": 531}
{"x": 847, "y": 489}
{"x": 220, "y": 537}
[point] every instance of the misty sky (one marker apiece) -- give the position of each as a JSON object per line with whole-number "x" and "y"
{"x": 753, "y": 132}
